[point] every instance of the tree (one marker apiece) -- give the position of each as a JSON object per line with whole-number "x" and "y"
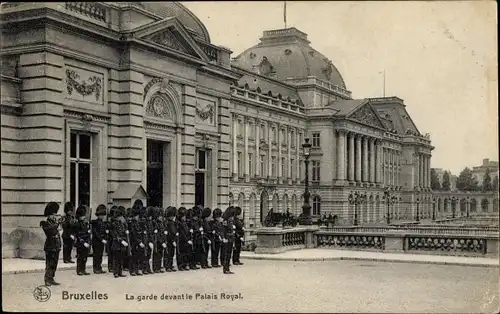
{"x": 435, "y": 185}
{"x": 446, "y": 181}
{"x": 466, "y": 181}
{"x": 486, "y": 186}
{"x": 494, "y": 185}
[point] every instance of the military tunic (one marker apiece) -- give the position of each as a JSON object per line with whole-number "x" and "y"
{"x": 52, "y": 247}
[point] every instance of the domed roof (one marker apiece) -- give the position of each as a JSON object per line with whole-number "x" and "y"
{"x": 175, "y": 9}
{"x": 286, "y": 53}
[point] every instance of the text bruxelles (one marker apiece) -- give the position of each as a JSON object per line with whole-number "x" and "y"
{"x": 94, "y": 295}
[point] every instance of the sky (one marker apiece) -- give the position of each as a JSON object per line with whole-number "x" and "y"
{"x": 439, "y": 57}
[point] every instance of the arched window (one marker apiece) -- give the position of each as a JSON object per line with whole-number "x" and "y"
{"x": 316, "y": 206}
{"x": 473, "y": 205}
{"x": 484, "y": 204}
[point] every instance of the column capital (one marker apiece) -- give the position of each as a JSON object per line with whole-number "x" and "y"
{"x": 342, "y": 131}
{"x": 257, "y": 121}
{"x": 249, "y": 119}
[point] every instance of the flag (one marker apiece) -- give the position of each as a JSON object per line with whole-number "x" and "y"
{"x": 284, "y": 13}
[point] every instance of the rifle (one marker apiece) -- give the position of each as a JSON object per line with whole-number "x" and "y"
{"x": 129, "y": 250}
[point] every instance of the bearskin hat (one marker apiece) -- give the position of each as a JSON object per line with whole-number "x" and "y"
{"x": 189, "y": 213}
{"x": 81, "y": 211}
{"x": 217, "y": 213}
{"x": 228, "y": 213}
{"x": 138, "y": 204}
{"x": 151, "y": 211}
{"x": 101, "y": 210}
{"x": 196, "y": 211}
{"x": 112, "y": 210}
{"x": 171, "y": 211}
{"x": 129, "y": 211}
{"x": 206, "y": 212}
{"x": 160, "y": 212}
{"x": 182, "y": 212}
{"x": 237, "y": 211}
{"x": 69, "y": 207}
{"x": 120, "y": 211}
{"x": 51, "y": 209}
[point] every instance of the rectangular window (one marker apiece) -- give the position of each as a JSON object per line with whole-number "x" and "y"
{"x": 292, "y": 173}
{"x": 202, "y": 157}
{"x": 240, "y": 172}
{"x": 250, "y": 164}
{"x": 315, "y": 140}
{"x": 262, "y": 163}
{"x": 283, "y": 167}
{"x": 274, "y": 135}
{"x": 283, "y": 136}
{"x": 315, "y": 170}
{"x": 80, "y": 168}
{"x": 292, "y": 138}
{"x": 262, "y": 132}
{"x": 273, "y": 165}
{"x": 300, "y": 169}
{"x": 241, "y": 127}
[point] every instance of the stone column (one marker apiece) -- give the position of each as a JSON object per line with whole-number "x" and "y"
{"x": 351, "y": 156}
{"x": 246, "y": 123}
{"x": 269, "y": 151}
{"x": 178, "y": 142}
{"x": 358, "y": 158}
{"x": 372, "y": 160}
{"x": 235, "y": 147}
{"x": 280, "y": 174}
{"x": 298, "y": 147}
{"x": 429, "y": 171}
{"x": 398, "y": 165}
{"x": 289, "y": 149}
{"x": 340, "y": 156}
{"x": 257, "y": 148}
{"x": 365, "y": 159}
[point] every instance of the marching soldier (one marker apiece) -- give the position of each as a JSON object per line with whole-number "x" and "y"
{"x": 83, "y": 240}
{"x": 185, "y": 243}
{"x": 172, "y": 240}
{"x": 227, "y": 239}
{"x": 120, "y": 243}
{"x": 160, "y": 237}
{"x": 68, "y": 235}
{"x": 110, "y": 217}
{"x": 239, "y": 236}
{"x": 52, "y": 245}
{"x": 215, "y": 248}
{"x": 100, "y": 235}
{"x": 206, "y": 237}
{"x": 195, "y": 229}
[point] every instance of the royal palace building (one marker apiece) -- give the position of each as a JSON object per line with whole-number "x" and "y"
{"x": 112, "y": 102}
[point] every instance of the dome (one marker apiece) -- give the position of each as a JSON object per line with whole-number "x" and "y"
{"x": 175, "y": 9}
{"x": 286, "y": 53}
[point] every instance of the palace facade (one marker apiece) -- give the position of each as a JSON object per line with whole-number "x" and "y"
{"x": 112, "y": 102}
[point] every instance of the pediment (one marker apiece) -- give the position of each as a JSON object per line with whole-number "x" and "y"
{"x": 367, "y": 115}
{"x": 171, "y": 34}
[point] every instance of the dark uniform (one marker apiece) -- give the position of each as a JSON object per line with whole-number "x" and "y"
{"x": 149, "y": 227}
{"x": 137, "y": 243}
{"x": 228, "y": 238}
{"x": 171, "y": 240}
{"x": 196, "y": 229}
{"x": 68, "y": 235}
{"x": 126, "y": 258}
{"x": 52, "y": 245}
{"x": 83, "y": 240}
{"x": 119, "y": 245}
{"x": 239, "y": 236}
{"x": 206, "y": 235}
{"x": 100, "y": 233}
{"x": 159, "y": 240}
{"x": 184, "y": 243}
{"x": 215, "y": 248}
{"x": 110, "y": 217}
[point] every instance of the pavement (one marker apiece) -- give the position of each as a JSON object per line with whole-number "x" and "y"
{"x": 20, "y": 265}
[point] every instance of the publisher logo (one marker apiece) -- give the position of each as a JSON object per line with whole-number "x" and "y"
{"x": 42, "y": 293}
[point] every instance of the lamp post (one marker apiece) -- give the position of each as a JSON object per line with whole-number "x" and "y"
{"x": 418, "y": 214}
{"x": 356, "y": 199}
{"x": 390, "y": 200}
{"x": 434, "y": 209}
{"x": 306, "y": 208}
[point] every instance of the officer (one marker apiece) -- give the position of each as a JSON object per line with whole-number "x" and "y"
{"x": 172, "y": 240}
{"x": 185, "y": 243}
{"x": 52, "y": 245}
{"x": 239, "y": 236}
{"x": 68, "y": 235}
{"x": 83, "y": 240}
{"x": 137, "y": 243}
{"x": 195, "y": 229}
{"x": 100, "y": 234}
{"x": 206, "y": 236}
{"x": 119, "y": 234}
{"x": 227, "y": 239}
{"x": 160, "y": 237}
{"x": 109, "y": 218}
{"x": 215, "y": 248}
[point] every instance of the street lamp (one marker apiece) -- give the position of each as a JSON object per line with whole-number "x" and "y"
{"x": 390, "y": 200}
{"x": 356, "y": 199}
{"x": 433, "y": 208}
{"x": 306, "y": 208}
{"x": 418, "y": 215}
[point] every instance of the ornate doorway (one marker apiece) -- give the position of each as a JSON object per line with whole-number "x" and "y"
{"x": 155, "y": 173}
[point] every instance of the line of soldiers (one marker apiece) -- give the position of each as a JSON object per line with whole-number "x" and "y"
{"x": 146, "y": 240}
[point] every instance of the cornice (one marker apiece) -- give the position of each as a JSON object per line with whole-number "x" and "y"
{"x": 257, "y": 104}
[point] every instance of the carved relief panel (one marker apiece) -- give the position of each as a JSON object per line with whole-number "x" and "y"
{"x": 206, "y": 113}
{"x": 84, "y": 85}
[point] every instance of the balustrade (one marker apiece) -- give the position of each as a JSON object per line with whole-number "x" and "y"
{"x": 292, "y": 238}
{"x": 93, "y": 10}
{"x": 447, "y": 244}
{"x": 351, "y": 241}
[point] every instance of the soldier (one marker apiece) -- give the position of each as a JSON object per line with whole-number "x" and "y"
{"x": 120, "y": 243}
{"x": 215, "y": 248}
{"x": 172, "y": 240}
{"x": 137, "y": 243}
{"x": 160, "y": 237}
{"x": 227, "y": 239}
{"x": 52, "y": 245}
{"x": 83, "y": 240}
{"x": 146, "y": 222}
{"x": 206, "y": 236}
{"x": 185, "y": 243}
{"x": 239, "y": 236}
{"x": 110, "y": 217}
{"x": 126, "y": 257}
{"x": 68, "y": 235}
{"x": 197, "y": 229}
{"x": 100, "y": 235}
